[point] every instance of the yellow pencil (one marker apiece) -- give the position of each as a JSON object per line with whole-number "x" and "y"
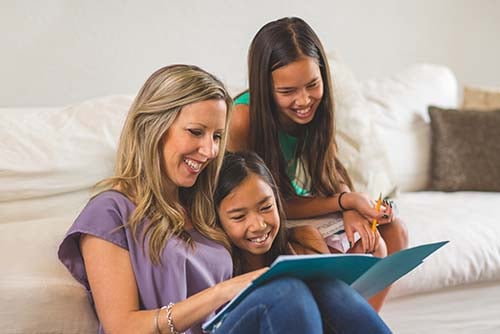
{"x": 377, "y": 207}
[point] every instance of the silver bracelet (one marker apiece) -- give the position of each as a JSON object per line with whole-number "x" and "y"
{"x": 170, "y": 321}
{"x": 157, "y": 315}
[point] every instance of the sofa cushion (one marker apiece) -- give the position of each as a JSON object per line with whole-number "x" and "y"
{"x": 41, "y": 295}
{"x": 56, "y": 152}
{"x": 49, "y": 160}
{"x": 465, "y": 150}
{"x": 360, "y": 148}
{"x": 466, "y": 220}
{"x": 397, "y": 106}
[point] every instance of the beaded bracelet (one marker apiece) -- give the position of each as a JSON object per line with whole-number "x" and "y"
{"x": 170, "y": 321}
{"x": 340, "y": 202}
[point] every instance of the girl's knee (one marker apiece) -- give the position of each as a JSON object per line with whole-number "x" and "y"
{"x": 402, "y": 232}
{"x": 381, "y": 250}
{"x": 335, "y": 288}
{"x": 291, "y": 298}
{"x": 395, "y": 235}
{"x": 286, "y": 286}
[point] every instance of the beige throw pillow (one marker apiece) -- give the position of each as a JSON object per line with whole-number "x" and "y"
{"x": 481, "y": 99}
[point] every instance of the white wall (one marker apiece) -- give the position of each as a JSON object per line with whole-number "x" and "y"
{"x": 55, "y": 52}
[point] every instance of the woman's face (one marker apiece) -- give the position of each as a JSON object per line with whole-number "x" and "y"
{"x": 249, "y": 216}
{"x": 193, "y": 140}
{"x": 298, "y": 90}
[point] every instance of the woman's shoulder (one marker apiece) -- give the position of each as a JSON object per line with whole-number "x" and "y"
{"x": 104, "y": 216}
{"x": 111, "y": 198}
{"x": 108, "y": 204}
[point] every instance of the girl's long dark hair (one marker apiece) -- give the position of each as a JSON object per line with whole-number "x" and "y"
{"x": 236, "y": 167}
{"x": 277, "y": 44}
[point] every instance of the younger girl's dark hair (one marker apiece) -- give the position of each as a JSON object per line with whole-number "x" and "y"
{"x": 235, "y": 168}
{"x": 277, "y": 44}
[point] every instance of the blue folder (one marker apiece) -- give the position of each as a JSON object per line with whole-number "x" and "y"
{"x": 365, "y": 273}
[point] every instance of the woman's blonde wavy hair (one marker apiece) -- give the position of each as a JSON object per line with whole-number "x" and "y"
{"x": 139, "y": 170}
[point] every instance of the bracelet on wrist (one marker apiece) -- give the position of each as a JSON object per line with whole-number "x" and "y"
{"x": 170, "y": 321}
{"x": 339, "y": 200}
{"x": 156, "y": 323}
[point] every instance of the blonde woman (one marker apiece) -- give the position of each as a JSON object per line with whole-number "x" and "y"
{"x": 147, "y": 247}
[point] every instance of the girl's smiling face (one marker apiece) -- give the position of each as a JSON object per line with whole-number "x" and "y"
{"x": 297, "y": 90}
{"x": 249, "y": 216}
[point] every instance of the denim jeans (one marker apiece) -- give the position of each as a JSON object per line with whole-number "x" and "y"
{"x": 289, "y": 305}
{"x": 343, "y": 310}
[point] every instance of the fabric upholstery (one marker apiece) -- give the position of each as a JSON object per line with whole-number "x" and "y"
{"x": 465, "y": 150}
{"x": 483, "y": 99}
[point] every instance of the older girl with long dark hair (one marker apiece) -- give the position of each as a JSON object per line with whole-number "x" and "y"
{"x": 287, "y": 117}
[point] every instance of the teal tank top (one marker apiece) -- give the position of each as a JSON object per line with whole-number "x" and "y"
{"x": 288, "y": 145}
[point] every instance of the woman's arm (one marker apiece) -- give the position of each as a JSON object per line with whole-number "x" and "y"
{"x": 239, "y": 129}
{"x": 116, "y": 298}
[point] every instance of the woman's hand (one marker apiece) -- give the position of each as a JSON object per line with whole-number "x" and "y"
{"x": 235, "y": 285}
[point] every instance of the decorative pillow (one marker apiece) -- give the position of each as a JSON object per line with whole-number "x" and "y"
{"x": 397, "y": 105}
{"x": 465, "y": 150}
{"x": 360, "y": 149}
{"x": 482, "y": 99}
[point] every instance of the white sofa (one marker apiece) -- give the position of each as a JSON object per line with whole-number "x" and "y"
{"x": 50, "y": 157}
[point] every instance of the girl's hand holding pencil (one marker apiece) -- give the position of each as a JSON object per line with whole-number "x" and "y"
{"x": 377, "y": 207}
{"x": 367, "y": 207}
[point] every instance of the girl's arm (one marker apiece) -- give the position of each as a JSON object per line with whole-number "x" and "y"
{"x": 307, "y": 240}
{"x": 239, "y": 128}
{"x": 300, "y": 207}
{"x": 116, "y": 298}
{"x": 360, "y": 211}
{"x": 306, "y": 207}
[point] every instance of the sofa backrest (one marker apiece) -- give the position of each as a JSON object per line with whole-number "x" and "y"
{"x": 51, "y": 157}
{"x": 383, "y": 126}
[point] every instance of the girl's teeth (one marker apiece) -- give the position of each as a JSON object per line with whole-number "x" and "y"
{"x": 303, "y": 111}
{"x": 264, "y": 237}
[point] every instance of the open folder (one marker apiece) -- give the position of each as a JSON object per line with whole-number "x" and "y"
{"x": 365, "y": 273}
